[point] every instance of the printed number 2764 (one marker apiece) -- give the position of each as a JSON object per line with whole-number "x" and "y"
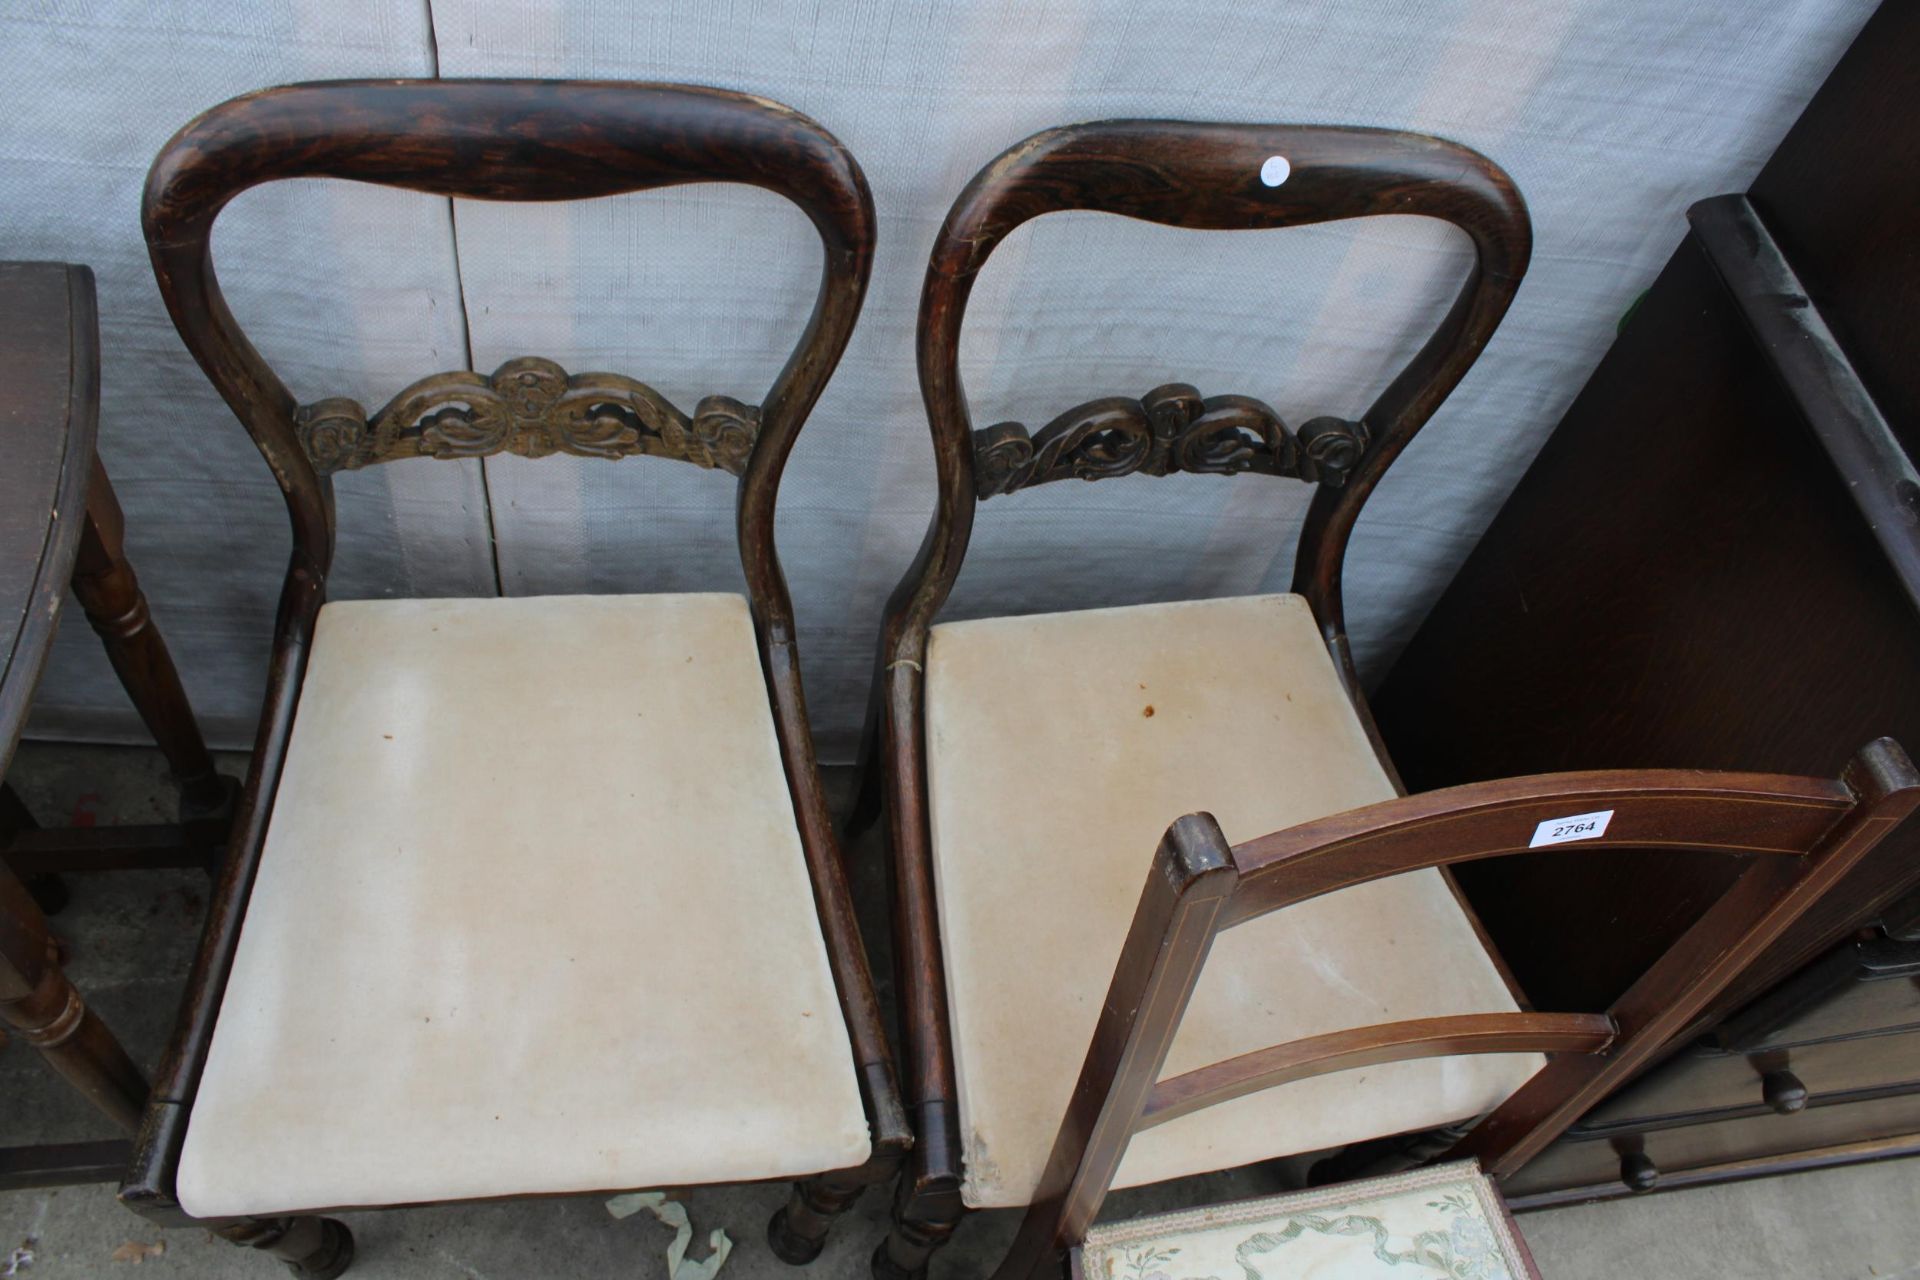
{"x": 1575, "y": 826}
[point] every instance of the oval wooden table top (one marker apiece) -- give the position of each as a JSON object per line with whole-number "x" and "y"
{"x": 49, "y": 410}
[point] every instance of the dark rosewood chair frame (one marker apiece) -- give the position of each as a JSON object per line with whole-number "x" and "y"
{"x": 519, "y": 141}
{"x": 1201, "y": 176}
{"x": 1796, "y": 836}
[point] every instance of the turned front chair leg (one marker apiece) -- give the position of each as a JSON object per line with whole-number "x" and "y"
{"x": 926, "y": 1213}
{"x": 321, "y": 1248}
{"x": 105, "y": 585}
{"x": 310, "y": 1246}
{"x": 37, "y": 1001}
{"x": 798, "y": 1231}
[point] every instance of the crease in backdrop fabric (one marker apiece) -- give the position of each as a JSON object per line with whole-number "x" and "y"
{"x": 1612, "y": 116}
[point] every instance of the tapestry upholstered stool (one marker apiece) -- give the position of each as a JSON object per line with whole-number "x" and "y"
{"x": 1445, "y": 1220}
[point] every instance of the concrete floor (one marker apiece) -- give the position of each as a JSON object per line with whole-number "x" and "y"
{"x": 131, "y": 936}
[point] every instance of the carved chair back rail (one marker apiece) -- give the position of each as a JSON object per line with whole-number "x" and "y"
{"x": 1797, "y": 836}
{"x": 1194, "y": 175}
{"x": 1203, "y": 177}
{"x": 509, "y": 141}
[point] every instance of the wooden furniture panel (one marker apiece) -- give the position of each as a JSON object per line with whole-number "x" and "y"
{"x": 1862, "y": 988}
{"x": 1844, "y": 1025}
{"x": 1872, "y": 1008}
{"x": 1715, "y": 560}
{"x": 1840, "y": 194}
{"x": 1680, "y": 579}
{"x": 1839, "y": 1130}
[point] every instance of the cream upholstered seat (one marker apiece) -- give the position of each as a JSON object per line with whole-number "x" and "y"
{"x": 532, "y": 916}
{"x": 1059, "y": 749}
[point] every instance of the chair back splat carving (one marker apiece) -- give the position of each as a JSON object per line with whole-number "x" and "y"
{"x": 510, "y": 141}
{"x": 515, "y": 141}
{"x": 1204, "y": 177}
{"x": 1799, "y": 836}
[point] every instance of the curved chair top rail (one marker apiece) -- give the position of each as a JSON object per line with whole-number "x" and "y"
{"x": 1566, "y": 813}
{"x": 1216, "y": 177}
{"x": 518, "y": 140}
{"x": 1210, "y": 177}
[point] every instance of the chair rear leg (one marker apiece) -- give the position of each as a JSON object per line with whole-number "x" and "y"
{"x": 312, "y": 1247}
{"x": 869, "y": 790}
{"x": 926, "y": 1213}
{"x": 798, "y": 1231}
{"x": 48, "y": 890}
{"x": 1381, "y": 1156}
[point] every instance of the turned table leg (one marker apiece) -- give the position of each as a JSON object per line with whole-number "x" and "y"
{"x": 38, "y": 1002}
{"x": 105, "y": 585}
{"x": 318, "y": 1248}
{"x": 49, "y": 890}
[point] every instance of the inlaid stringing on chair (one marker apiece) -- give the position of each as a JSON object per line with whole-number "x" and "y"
{"x": 1798, "y": 836}
{"x": 526, "y": 896}
{"x": 1028, "y": 765}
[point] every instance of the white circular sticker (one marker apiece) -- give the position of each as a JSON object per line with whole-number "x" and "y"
{"x": 1275, "y": 170}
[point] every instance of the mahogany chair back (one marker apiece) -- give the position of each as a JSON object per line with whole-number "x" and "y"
{"x": 1797, "y": 836}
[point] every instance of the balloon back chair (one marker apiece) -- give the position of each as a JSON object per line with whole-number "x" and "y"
{"x": 527, "y": 896}
{"x": 1029, "y": 766}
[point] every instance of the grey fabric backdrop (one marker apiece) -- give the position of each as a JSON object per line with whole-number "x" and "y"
{"x": 1612, "y": 115}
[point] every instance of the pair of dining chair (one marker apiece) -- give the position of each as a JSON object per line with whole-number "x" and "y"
{"x": 542, "y": 896}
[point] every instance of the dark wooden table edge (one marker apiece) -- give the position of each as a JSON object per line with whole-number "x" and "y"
{"x": 69, "y": 514}
{"x": 64, "y": 1164}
